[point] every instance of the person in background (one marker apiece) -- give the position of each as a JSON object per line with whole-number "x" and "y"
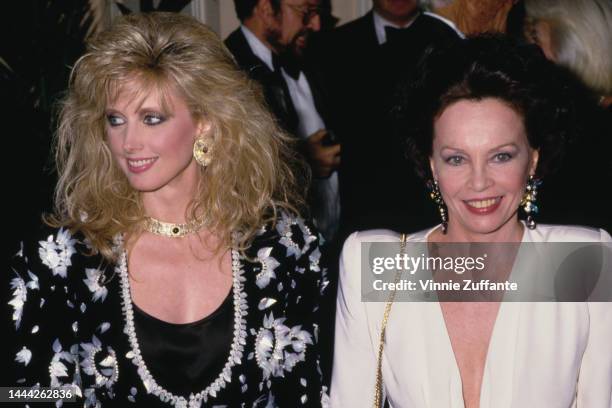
{"x": 485, "y": 120}
{"x": 472, "y": 16}
{"x": 175, "y": 270}
{"x": 577, "y": 35}
{"x": 269, "y": 46}
{"x": 362, "y": 63}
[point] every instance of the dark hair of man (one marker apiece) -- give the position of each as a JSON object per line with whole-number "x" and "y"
{"x": 490, "y": 66}
{"x": 244, "y": 8}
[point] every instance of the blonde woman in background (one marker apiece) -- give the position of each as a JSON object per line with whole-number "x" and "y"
{"x": 175, "y": 270}
{"x": 578, "y": 35}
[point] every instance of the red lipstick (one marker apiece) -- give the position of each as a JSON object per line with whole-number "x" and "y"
{"x": 486, "y": 205}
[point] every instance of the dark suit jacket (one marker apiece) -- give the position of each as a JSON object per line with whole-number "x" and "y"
{"x": 279, "y": 102}
{"x": 274, "y": 86}
{"x": 378, "y": 186}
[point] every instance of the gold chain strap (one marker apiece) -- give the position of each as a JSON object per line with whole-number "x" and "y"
{"x": 378, "y": 391}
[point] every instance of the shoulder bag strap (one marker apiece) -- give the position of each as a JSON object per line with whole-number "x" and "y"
{"x": 378, "y": 391}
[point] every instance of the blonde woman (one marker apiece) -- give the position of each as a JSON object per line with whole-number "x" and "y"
{"x": 175, "y": 270}
{"x": 578, "y": 35}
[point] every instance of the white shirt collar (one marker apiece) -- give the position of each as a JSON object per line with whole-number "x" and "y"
{"x": 380, "y": 23}
{"x": 259, "y": 49}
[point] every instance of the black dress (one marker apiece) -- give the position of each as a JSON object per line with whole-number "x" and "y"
{"x": 68, "y": 329}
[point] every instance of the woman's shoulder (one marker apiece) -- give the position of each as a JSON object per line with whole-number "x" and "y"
{"x": 567, "y": 233}
{"x": 385, "y": 235}
{"x": 374, "y": 235}
{"x": 296, "y": 235}
{"x": 52, "y": 253}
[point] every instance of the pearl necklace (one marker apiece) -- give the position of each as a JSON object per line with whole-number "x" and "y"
{"x": 236, "y": 350}
{"x": 172, "y": 230}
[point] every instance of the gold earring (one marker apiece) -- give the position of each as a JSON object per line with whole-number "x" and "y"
{"x": 203, "y": 150}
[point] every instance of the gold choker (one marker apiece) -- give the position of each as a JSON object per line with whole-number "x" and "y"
{"x": 168, "y": 229}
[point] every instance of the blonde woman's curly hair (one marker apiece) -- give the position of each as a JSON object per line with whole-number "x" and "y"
{"x": 253, "y": 174}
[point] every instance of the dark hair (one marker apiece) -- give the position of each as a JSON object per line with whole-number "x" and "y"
{"x": 244, "y": 8}
{"x": 489, "y": 66}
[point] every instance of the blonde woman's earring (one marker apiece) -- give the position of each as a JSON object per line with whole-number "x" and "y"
{"x": 203, "y": 150}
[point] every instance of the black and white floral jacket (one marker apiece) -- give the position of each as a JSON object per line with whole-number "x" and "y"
{"x": 69, "y": 329}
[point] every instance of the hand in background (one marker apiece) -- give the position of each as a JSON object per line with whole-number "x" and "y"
{"x": 324, "y": 159}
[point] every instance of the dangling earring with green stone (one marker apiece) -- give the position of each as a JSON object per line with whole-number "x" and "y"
{"x": 529, "y": 201}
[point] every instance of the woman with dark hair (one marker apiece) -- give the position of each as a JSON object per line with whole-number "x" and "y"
{"x": 175, "y": 270}
{"x": 486, "y": 121}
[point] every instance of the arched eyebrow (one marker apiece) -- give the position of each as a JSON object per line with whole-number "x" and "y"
{"x": 501, "y": 146}
{"x": 511, "y": 144}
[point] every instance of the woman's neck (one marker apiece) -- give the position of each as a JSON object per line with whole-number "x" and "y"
{"x": 167, "y": 206}
{"x": 512, "y": 231}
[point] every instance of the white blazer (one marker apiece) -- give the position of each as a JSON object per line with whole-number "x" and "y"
{"x": 541, "y": 355}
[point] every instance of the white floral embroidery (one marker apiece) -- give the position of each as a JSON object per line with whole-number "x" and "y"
{"x": 325, "y": 400}
{"x": 92, "y": 282}
{"x": 104, "y": 327}
{"x": 56, "y": 252}
{"x": 133, "y": 392}
{"x": 266, "y": 302}
{"x": 271, "y": 403}
{"x": 20, "y": 295}
{"x": 268, "y": 265}
{"x": 284, "y": 226}
{"x": 279, "y": 348}
{"x": 24, "y": 356}
{"x": 58, "y": 368}
{"x": 106, "y": 371}
{"x": 90, "y": 398}
{"x": 314, "y": 259}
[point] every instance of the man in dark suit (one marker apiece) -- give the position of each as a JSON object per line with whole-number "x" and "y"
{"x": 363, "y": 62}
{"x": 269, "y": 46}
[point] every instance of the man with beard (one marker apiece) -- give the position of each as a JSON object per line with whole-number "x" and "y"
{"x": 269, "y": 46}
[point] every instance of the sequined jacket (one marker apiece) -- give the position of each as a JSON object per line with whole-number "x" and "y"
{"x": 68, "y": 329}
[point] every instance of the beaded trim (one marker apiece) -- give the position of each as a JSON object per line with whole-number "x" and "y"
{"x": 236, "y": 351}
{"x": 101, "y": 379}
